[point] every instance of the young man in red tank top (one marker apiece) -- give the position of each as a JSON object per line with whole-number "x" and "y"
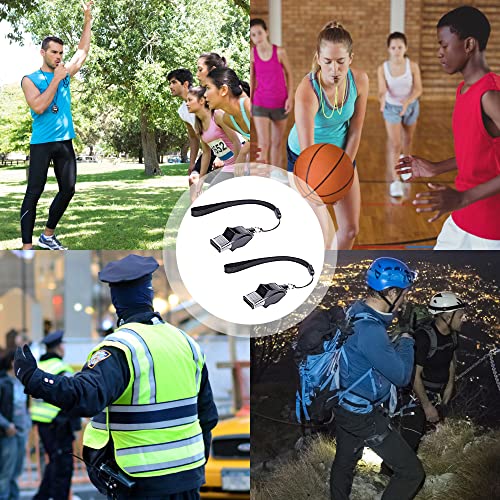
{"x": 463, "y": 34}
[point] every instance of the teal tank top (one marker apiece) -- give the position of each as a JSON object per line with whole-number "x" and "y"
{"x": 238, "y": 129}
{"x": 49, "y": 126}
{"x": 331, "y": 130}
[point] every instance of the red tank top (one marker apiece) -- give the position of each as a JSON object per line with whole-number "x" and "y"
{"x": 478, "y": 159}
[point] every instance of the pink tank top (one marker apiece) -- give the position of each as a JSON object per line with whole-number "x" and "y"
{"x": 270, "y": 91}
{"x": 220, "y": 144}
{"x": 478, "y": 158}
{"x": 398, "y": 87}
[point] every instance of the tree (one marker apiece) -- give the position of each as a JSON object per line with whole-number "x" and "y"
{"x": 15, "y": 120}
{"x": 134, "y": 46}
{"x": 10, "y": 9}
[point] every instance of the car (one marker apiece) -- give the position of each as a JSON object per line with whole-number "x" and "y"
{"x": 86, "y": 158}
{"x": 174, "y": 159}
{"x": 227, "y": 471}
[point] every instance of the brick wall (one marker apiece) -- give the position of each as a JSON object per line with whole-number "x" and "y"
{"x": 368, "y": 22}
{"x": 435, "y": 81}
{"x": 260, "y": 8}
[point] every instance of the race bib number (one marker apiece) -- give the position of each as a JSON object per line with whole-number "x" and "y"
{"x": 220, "y": 149}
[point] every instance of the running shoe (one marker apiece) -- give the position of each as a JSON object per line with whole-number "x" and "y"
{"x": 50, "y": 242}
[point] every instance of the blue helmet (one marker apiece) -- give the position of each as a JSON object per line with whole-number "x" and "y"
{"x": 386, "y": 272}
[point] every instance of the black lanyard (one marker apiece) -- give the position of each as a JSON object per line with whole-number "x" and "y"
{"x": 54, "y": 108}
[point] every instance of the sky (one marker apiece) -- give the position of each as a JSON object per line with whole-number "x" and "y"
{"x": 16, "y": 61}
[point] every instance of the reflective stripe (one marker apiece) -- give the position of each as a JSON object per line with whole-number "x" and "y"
{"x": 165, "y": 465}
{"x": 195, "y": 354}
{"x": 145, "y": 426}
{"x": 153, "y": 407}
{"x": 135, "y": 364}
{"x": 160, "y": 447}
{"x": 152, "y": 416}
{"x": 151, "y": 372}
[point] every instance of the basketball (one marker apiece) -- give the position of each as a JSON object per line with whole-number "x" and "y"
{"x": 327, "y": 171}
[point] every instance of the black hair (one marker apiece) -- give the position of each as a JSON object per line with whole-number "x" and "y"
{"x": 48, "y": 39}
{"x": 226, "y": 76}
{"x": 385, "y": 292}
{"x": 199, "y": 92}
{"x": 7, "y": 359}
{"x": 397, "y": 35}
{"x": 258, "y": 22}
{"x": 467, "y": 21}
{"x": 182, "y": 75}
{"x": 213, "y": 60}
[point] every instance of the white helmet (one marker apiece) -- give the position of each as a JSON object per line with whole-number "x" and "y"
{"x": 445, "y": 302}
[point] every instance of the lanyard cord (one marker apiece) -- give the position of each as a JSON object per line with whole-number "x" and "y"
{"x": 54, "y": 101}
{"x": 335, "y": 104}
{"x": 235, "y": 267}
{"x": 214, "y": 207}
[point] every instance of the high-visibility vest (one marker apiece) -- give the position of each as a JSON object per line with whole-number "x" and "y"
{"x": 40, "y": 410}
{"x": 154, "y": 423}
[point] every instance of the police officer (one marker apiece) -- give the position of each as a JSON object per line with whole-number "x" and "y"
{"x": 55, "y": 427}
{"x": 435, "y": 365}
{"x": 146, "y": 387}
{"x": 370, "y": 365}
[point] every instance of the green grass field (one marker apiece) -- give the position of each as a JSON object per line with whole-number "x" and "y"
{"x": 115, "y": 206}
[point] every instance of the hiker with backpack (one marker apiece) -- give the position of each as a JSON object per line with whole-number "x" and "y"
{"x": 436, "y": 341}
{"x": 370, "y": 369}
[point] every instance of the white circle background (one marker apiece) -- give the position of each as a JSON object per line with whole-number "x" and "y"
{"x": 198, "y": 269}
{"x": 201, "y": 266}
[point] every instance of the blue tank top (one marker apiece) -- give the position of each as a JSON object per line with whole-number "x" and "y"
{"x": 49, "y": 126}
{"x": 331, "y": 130}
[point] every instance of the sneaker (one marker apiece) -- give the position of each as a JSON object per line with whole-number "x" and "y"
{"x": 396, "y": 189}
{"x": 50, "y": 242}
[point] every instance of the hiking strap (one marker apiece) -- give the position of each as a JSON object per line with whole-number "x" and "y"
{"x": 433, "y": 348}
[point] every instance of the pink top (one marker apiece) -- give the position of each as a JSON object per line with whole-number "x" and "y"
{"x": 270, "y": 91}
{"x": 220, "y": 144}
{"x": 478, "y": 159}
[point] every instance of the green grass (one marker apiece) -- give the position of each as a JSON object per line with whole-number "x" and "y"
{"x": 120, "y": 209}
{"x": 14, "y": 166}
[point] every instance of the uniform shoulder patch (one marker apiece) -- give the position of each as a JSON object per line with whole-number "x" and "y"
{"x": 97, "y": 357}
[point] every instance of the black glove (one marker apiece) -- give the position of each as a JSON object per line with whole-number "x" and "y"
{"x": 24, "y": 364}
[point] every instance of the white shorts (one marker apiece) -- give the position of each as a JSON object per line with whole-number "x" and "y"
{"x": 452, "y": 237}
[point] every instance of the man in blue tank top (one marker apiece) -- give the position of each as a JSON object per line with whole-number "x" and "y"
{"x": 48, "y": 96}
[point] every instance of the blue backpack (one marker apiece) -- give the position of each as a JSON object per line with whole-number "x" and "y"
{"x": 318, "y": 350}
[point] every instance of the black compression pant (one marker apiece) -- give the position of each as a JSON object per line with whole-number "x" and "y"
{"x": 63, "y": 156}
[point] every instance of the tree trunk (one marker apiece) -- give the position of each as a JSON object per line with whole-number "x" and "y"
{"x": 184, "y": 152}
{"x": 140, "y": 155}
{"x": 91, "y": 150}
{"x": 151, "y": 166}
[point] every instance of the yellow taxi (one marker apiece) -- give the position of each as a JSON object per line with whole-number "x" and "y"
{"x": 228, "y": 468}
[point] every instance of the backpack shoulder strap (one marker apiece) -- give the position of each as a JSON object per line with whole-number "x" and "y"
{"x": 454, "y": 337}
{"x": 429, "y": 330}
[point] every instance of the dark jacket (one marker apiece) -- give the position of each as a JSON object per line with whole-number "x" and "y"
{"x": 6, "y": 401}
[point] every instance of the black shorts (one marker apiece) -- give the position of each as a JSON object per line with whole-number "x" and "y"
{"x": 197, "y": 165}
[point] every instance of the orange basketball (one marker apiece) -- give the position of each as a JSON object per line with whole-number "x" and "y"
{"x": 327, "y": 171}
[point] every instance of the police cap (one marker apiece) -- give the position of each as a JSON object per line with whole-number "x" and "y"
{"x": 53, "y": 339}
{"x": 129, "y": 271}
